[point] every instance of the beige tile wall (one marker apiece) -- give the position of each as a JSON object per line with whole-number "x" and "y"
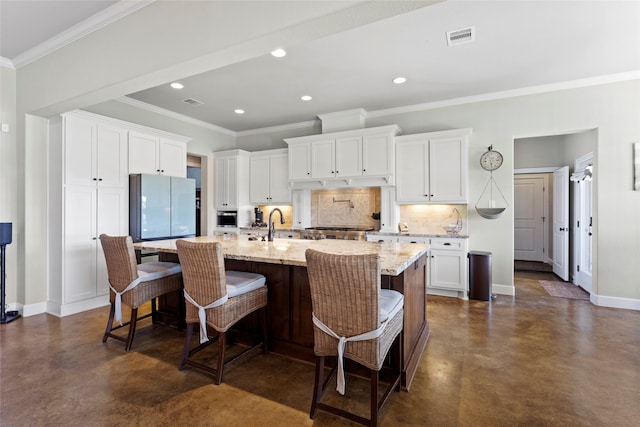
{"x": 429, "y": 219}
{"x": 287, "y": 210}
{"x": 348, "y": 207}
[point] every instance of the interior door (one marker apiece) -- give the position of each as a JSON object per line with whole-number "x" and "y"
{"x": 561, "y": 222}
{"x": 582, "y": 237}
{"x": 529, "y": 218}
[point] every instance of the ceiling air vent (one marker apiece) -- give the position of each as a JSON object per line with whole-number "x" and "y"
{"x": 193, "y": 102}
{"x": 463, "y": 35}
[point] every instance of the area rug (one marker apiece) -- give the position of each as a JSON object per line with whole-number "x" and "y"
{"x": 564, "y": 290}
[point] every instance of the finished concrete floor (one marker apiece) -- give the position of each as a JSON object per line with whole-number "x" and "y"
{"x": 532, "y": 360}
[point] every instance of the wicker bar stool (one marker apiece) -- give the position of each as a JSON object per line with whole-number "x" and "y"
{"x": 134, "y": 284}
{"x": 219, "y": 299}
{"x": 353, "y": 318}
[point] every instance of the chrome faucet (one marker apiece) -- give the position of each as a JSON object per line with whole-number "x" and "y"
{"x": 271, "y": 228}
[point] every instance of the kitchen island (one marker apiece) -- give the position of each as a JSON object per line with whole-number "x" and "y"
{"x": 290, "y": 328}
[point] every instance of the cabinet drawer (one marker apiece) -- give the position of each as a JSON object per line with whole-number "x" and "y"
{"x": 413, "y": 239}
{"x": 449, "y": 244}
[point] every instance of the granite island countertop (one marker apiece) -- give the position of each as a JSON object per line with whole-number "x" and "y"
{"x": 434, "y": 235}
{"x": 394, "y": 257}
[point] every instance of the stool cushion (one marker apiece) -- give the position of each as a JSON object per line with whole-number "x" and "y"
{"x": 157, "y": 270}
{"x": 241, "y": 282}
{"x": 390, "y": 303}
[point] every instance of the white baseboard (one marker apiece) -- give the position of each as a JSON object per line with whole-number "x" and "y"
{"x": 61, "y": 310}
{"x": 34, "y": 309}
{"x": 447, "y": 293}
{"x": 503, "y": 289}
{"x": 615, "y": 302}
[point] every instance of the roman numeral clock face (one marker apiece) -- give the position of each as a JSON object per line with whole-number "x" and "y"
{"x": 491, "y": 160}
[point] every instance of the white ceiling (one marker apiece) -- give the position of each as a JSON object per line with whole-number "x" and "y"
{"x": 519, "y": 44}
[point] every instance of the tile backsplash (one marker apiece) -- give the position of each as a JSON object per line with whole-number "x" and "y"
{"x": 346, "y": 207}
{"x": 287, "y": 211}
{"x": 429, "y": 219}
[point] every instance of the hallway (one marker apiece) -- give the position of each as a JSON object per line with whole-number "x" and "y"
{"x": 535, "y": 360}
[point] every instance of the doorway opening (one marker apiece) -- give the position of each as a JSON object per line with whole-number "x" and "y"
{"x": 194, "y": 171}
{"x": 550, "y": 232}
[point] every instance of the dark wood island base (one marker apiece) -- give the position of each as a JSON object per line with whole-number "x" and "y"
{"x": 290, "y": 328}
{"x": 283, "y": 263}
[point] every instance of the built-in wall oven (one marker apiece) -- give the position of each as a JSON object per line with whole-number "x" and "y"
{"x": 228, "y": 219}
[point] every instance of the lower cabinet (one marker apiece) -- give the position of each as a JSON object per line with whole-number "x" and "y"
{"x": 448, "y": 267}
{"x": 89, "y": 212}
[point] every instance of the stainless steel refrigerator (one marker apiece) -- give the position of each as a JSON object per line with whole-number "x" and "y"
{"x": 161, "y": 207}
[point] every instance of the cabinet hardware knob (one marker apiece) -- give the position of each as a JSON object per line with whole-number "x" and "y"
{"x": 95, "y": 238}
{"x": 95, "y": 179}
{"x": 364, "y": 170}
{"x": 447, "y": 244}
{"x": 308, "y": 173}
{"x": 99, "y": 179}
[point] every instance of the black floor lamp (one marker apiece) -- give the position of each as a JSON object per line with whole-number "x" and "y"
{"x": 5, "y": 239}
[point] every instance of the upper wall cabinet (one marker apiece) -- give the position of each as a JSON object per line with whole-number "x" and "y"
{"x": 231, "y": 180}
{"x": 432, "y": 167}
{"x": 154, "y": 154}
{"x": 269, "y": 172}
{"x": 94, "y": 152}
{"x": 352, "y": 156}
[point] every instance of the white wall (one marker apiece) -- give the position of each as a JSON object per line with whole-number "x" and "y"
{"x": 8, "y": 178}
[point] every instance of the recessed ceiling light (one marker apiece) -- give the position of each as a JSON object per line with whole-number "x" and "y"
{"x": 399, "y": 80}
{"x": 238, "y": 111}
{"x": 177, "y": 85}
{"x": 306, "y": 98}
{"x": 279, "y": 53}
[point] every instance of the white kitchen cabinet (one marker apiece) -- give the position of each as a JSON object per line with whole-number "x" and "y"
{"x": 94, "y": 152}
{"x": 232, "y": 180}
{"x": 300, "y": 161}
{"x": 156, "y": 154}
{"x": 389, "y": 210}
{"x": 448, "y": 267}
{"x": 348, "y": 155}
{"x": 270, "y": 177}
{"x": 381, "y": 238}
{"x": 89, "y": 195}
{"x": 414, "y": 239}
{"x": 94, "y": 201}
{"x": 301, "y": 209}
{"x": 323, "y": 159}
{"x": 89, "y": 212}
{"x": 432, "y": 167}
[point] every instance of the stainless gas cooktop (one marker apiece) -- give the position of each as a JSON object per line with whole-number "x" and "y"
{"x": 335, "y": 232}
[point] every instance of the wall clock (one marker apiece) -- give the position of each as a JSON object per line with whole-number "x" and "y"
{"x": 491, "y": 159}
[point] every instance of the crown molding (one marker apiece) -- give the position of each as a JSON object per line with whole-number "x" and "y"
{"x": 532, "y": 90}
{"x": 158, "y": 110}
{"x": 7, "y": 63}
{"x": 82, "y": 29}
